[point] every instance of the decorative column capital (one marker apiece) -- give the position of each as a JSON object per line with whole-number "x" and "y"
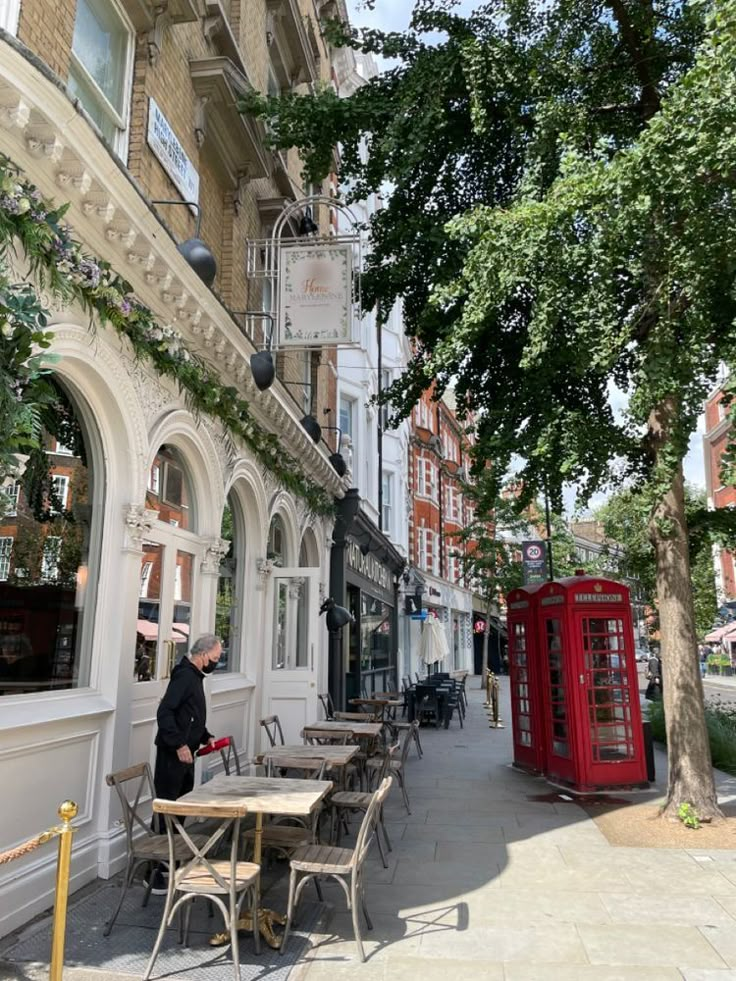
{"x": 265, "y": 569}
{"x": 139, "y": 521}
{"x": 214, "y": 551}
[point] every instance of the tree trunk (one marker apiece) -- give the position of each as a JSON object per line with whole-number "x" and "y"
{"x": 690, "y": 769}
{"x": 486, "y": 635}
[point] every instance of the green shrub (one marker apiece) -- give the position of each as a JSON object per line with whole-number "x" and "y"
{"x": 721, "y": 722}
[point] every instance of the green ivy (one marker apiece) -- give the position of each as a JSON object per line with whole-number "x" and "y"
{"x": 58, "y": 262}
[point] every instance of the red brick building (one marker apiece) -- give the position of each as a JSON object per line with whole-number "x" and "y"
{"x": 715, "y": 441}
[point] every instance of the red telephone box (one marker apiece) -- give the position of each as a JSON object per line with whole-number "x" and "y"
{"x": 591, "y": 717}
{"x": 525, "y": 679}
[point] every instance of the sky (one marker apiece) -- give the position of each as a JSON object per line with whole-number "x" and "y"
{"x": 393, "y": 15}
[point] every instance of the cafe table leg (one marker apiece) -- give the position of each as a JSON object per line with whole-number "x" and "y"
{"x": 266, "y": 917}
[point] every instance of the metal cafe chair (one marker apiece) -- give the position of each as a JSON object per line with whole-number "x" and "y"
{"x": 397, "y": 766}
{"x": 343, "y": 801}
{"x": 273, "y": 730}
{"x": 345, "y": 865}
{"x": 133, "y": 785}
{"x": 225, "y": 883}
{"x": 277, "y": 834}
{"x": 328, "y": 706}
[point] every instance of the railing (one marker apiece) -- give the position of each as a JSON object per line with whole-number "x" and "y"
{"x": 67, "y": 812}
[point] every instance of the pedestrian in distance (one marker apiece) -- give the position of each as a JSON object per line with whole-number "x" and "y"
{"x": 654, "y": 678}
{"x": 182, "y": 727}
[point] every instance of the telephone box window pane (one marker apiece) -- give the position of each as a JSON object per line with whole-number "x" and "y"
{"x": 608, "y": 691}
{"x": 525, "y": 738}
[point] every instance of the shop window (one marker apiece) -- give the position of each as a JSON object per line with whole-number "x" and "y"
{"x": 49, "y": 559}
{"x": 170, "y": 489}
{"x": 101, "y": 67}
{"x": 227, "y": 613}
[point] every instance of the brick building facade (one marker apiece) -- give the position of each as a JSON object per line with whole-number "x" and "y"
{"x": 715, "y": 441}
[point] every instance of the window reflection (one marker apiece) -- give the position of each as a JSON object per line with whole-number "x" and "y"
{"x": 46, "y": 527}
{"x": 169, "y": 489}
{"x": 228, "y": 604}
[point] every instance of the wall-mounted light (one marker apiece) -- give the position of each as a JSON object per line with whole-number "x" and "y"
{"x": 312, "y": 427}
{"x": 337, "y": 616}
{"x": 337, "y": 459}
{"x": 195, "y": 251}
{"x": 262, "y": 365}
{"x": 307, "y": 225}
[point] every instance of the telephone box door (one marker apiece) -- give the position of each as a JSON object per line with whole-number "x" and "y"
{"x": 559, "y": 687}
{"x": 525, "y": 695}
{"x": 613, "y": 751}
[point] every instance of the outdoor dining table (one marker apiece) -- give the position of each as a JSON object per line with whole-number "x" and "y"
{"x": 262, "y": 795}
{"x": 334, "y": 756}
{"x": 370, "y": 730}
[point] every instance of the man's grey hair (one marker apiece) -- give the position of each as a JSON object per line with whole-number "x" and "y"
{"x": 204, "y": 644}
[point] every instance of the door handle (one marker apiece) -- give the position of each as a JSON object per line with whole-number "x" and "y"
{"x": 311, "y": 657}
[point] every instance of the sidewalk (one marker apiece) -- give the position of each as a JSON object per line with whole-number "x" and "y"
{"x": 487, "y": 881}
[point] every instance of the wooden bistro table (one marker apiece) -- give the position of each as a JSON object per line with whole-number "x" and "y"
{"x": 369, "y": 730}
{"x": 262, "y": 795}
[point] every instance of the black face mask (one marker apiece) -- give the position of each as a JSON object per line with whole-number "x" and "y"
{"x": 209, "y": 667}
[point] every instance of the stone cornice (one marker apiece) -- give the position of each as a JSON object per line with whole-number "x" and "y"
{"x": 51, "y": 139}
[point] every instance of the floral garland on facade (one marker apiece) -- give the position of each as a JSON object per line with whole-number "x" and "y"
{"x": 57, "y": 260}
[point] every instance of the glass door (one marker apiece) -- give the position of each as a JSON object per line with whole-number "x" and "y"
{"x": 559, "y": 708}
{"x": 165, "y": 599}
{"x": 291, "y": 678}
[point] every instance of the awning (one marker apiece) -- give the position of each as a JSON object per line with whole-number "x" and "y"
{"x": 719, "y": 633}
{"x": 149, "y": 630}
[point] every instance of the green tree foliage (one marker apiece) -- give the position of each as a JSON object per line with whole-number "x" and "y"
{"x": 560, "y": 219}
{"x": 625, "y": 522}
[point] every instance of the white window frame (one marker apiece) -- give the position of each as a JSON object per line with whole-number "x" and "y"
{"x": 49, "y": 572}
{"x": 154, "y": 480}
{"x": 6, "y": 552}
{"x": 63, "y": 493}
{"x": 350, "y": 404}
{"x": 10, "y": 16}
{"x": 62, "y": 450}
{"x": 387, "y": 496}
{"x": 121, "y": 122}
{"x": 12, "y": 491}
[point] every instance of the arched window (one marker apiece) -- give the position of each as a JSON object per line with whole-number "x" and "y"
{"x": 277, "y": 541}
{"x": 170, "y": 489}
{"x": 50, "y": 535}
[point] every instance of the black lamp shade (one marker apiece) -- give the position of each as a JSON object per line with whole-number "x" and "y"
{"x": 313, "y": 428}
{"x": 200, "y": 258}
{"x": 263, "y": 369}
{"x": 338, "y": 462}
{"x": 337, "y": 618}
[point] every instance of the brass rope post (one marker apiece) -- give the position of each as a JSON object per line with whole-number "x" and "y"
{"x": 494, "y": 689}
{"x": 67, "y": 812}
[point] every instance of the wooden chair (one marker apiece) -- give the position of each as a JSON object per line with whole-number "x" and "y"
{"x": 400, "y": 727}
{"x": 201, "y": 875}
{"x": 145, "y": 847}
{"x": 343, "y": 801}
{"x": 277, "y": 835}
{"x": 329, "y": 709}
{"x": 357, "y": 717}
{"x": 273, "y": 730}
{"x": 397, "y": 766}
{"x": 426, "y": 704}
{"x": 345, "y": 865}
{"x": 324, "y": 737}
{"x": 228, "y": 754}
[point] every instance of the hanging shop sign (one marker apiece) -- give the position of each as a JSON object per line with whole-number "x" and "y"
{"x": 171, "y": 154}
{"x": 533, "y": 561}
{"x": 315, "y": 295}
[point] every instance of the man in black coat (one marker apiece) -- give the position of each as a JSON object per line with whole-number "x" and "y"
{"x": 182, "y": 725}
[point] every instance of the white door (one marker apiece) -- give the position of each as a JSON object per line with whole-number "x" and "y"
{"x": 290, "y": 689}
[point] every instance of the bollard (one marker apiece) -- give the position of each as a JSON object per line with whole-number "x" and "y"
{"x": 649, "y": 750}
{"x": 67, "y": 813}
{"x": 493, "y": 688}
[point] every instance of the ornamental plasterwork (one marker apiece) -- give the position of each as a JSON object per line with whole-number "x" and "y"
{"x": 265, "y": 568}
{"x": 214, "y": 551}
{"x": 224, "y": 447}
{"x": 152, "y": 396}
{"x": 61, "y": 153}
{"x": 139, "y": 521}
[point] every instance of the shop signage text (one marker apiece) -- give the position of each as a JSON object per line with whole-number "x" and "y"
{"x": 170, "y": 154}
{"x": 368, "y": 566}
{"x": 315, "y": 295}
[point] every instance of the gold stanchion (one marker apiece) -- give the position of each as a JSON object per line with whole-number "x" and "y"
{"x": 493, "y": 688}
{"x": 67, "y": 813}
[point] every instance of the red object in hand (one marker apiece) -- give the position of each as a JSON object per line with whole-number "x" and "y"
{"x": 213, "y": 747}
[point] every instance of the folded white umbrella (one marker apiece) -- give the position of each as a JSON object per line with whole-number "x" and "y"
{"x": 433, "y": 646}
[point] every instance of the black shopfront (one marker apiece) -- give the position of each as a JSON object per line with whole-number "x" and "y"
{"x": 364, "y": 576}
